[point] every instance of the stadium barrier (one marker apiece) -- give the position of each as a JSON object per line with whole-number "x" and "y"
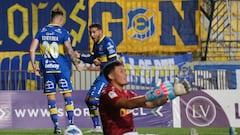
{"x": 221, "y": 79}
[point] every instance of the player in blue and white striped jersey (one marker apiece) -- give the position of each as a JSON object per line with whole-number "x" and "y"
{"x": 103, "y": 52}
{"x": 55, "y": 65}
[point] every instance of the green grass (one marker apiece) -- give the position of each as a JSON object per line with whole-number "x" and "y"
{"x": 159, "y": 131}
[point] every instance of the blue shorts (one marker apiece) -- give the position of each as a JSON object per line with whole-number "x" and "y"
{"x": 52, "y": 79}
{"x": 97, "y": 87}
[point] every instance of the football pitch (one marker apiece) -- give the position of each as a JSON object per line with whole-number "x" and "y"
{"x": 141, "y": 131}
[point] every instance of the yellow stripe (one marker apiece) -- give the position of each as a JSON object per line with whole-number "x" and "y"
{"x": 69, "y": 107}
{"x": 42, "y": 49}
{"x": 95, "y": 113}
{"x": 53, "y": 111}
{"x": 61, "y": 49}
{"x": 66, "y": 91}
{"x": 52, "y": 93}
{"x": 53, "y": 24}
{"x": 101, "y": 39}
{"x": 103, "y": 58}
{"x": 113, "y": 55}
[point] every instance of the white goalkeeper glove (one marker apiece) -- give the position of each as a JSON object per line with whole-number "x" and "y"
{"x": 181, "y": 88}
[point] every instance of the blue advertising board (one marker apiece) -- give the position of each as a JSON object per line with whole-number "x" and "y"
{"x": 215, "y": 76}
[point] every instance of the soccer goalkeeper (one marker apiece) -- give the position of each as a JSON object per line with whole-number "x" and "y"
{"x": 118, "y": 120}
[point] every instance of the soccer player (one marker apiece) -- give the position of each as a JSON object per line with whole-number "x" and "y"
{"x": 104, "y": 51}
{"x": 116, "y": 102}
{"x": 55, "y": 65}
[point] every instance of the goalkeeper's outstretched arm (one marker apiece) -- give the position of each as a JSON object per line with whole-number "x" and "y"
{"x": 167, "y": 89}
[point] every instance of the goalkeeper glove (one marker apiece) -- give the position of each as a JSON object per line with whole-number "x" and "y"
{"x": 164, "y": 89}
{"x": 181, "y": 88}
{"x": 167, "y": 89}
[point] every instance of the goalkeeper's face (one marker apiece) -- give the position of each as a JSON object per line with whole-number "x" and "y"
{"x": 119, "y": 76}
{"x": 95, "y": 34}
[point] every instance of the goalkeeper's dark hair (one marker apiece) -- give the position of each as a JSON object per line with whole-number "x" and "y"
{"x": 109, "y": 68}
{"x": 56, "y": 12}
{"x": 96, "y": 25}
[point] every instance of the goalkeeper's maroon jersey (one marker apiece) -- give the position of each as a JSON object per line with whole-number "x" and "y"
{"x": 115, "y": 121}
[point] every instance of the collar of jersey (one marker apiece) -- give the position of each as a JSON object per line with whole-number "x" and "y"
{"x": 101, "y": 39}
{"x": 53, "y": 24}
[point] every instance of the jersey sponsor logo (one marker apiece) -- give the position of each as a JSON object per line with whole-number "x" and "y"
{"x": 112, "y": 94}
{"x": 56, "y": 66}
{"x": 141, "y": 23}
{"x": 124, "y": 112}
{"x": 50, "y": 33}
{"x": 111, "y": 48}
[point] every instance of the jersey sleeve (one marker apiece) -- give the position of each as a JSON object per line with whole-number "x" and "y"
{"x": 111, "y": 97}
{"x": 37, "y": 36}
{"x": 87, "y": 58}
{"x": 132, "y": 94}
{"x": 66, "y": 36}
{"x": 111, "y": 50}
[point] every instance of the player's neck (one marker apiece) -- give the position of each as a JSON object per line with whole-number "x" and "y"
{"x": 118, "y": 86}
{"x": 55, "y": 24}
{"x": 101, "y": 37}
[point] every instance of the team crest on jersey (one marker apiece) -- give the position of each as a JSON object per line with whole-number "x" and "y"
{"x": 140, "y": 23}
{"x": 112, "y": 94}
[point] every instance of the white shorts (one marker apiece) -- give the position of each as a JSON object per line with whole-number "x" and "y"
{"x": 131, "y": 133}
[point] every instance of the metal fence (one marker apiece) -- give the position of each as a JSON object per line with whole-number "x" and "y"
{"x": 200, "y": 79}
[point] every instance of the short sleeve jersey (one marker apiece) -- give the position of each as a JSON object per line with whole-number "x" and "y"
{"x": 116, "y": 121}
{"x": 51, "y": 39}
{"x": 104, "y": 50}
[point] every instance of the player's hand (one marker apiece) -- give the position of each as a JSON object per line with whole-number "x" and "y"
{"x": 77, "y": 54}
{"x": 96, "y": 62}
{"x": 159, "y": 101}
{"x": 37, "y": 71}
{"x": 79, "y": 67}
{"x": 154, "y": 93}
{"x": 164, "y": 89}
{"x": 170, "y": 90}
{"x": 181, "y": 88}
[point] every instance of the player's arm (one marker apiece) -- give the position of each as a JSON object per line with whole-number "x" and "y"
{"x": 131, "y": 103}
{"x": 73, "y": 56}
{"x": 140, "y": 101}
{"x": 111, "y": 51}
{"x": 157, "y": 96}
{"x": 87, "y": 58}
{"x": 168, "y": 90}
{"x": 156, "y": 102}
{"x": 32, "y": 51}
